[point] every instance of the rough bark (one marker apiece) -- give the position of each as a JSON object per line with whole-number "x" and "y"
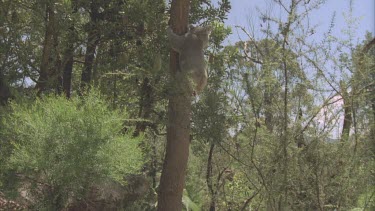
{"x": 172, "y": 179}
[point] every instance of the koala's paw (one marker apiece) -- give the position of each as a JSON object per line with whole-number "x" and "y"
{"x": 194, "y": 93}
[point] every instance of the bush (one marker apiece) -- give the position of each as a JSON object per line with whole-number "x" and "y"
{"x": 69, "y": 145}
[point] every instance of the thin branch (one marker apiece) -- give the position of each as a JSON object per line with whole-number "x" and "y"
{"x": 251, "y": 39}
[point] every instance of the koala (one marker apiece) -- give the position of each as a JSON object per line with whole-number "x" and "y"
{"x": 190, "y": 48}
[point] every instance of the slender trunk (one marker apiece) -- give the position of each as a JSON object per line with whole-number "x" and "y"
{"x": 268, "y": 92}
{"x": 92, "y": 42}
{"x": 145, "y": 106}
{"x": 367, "y": 47}
{"x": 4, "y": 90}
{"x": 347, "y": 113}
{"x": 268, "y": 106}
{"x": 300, "y": 140}
{"x": 4, "y": 56}
{"x": 67, "y": 71}
{"x": 55, "y": 69}
{"x": 285, "y": 140}
{"x": 69, "y": 57}
{"x": 42, "y": 82}
{"x": 172, "y": 179}
{"x": 209, "y": 178}
{"x": 286, "y": 31}
{"x": 154, "y": 163}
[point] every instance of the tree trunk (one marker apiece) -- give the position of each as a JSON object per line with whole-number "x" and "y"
{"x": 69, "y": 56}
{"x": 45, "y": 64}
{"x": 347, "y": 113}
{"x": 4, "y": 90}
{"x": 92, "y": 42}
{"x": 67, "y": 71}
{"x": 172, "y": 179}
{"x": 145, "y": 106}
{"x": 209, "y": 179}
{"x": 367, "y": 47}
{"x": 268, "y": 108}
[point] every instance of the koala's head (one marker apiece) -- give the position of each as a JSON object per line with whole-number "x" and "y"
{"x": 203, "y": 33}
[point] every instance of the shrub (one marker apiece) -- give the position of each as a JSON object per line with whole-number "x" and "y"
{"x": 69, "y": 145}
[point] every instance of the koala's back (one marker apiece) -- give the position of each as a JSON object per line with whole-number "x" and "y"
{"x": 190, "y": 48}
{"x": 192, "y": 56}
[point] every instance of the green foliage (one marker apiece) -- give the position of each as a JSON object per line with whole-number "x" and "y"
{"x": 70, "y": 144}
{"x": 60, "y": 148}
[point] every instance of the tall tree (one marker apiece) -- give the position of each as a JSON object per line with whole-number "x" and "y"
{"x": 49, "y": 65}
{"x": 172, "y": 179}
{"x": 69, "y": 54}
{"x": 92, "y": 42}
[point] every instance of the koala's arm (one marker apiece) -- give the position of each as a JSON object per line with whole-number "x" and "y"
{"x": 176, "y": 41}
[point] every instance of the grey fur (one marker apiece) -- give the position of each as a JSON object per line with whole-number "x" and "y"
{"x": 190, "y": 47}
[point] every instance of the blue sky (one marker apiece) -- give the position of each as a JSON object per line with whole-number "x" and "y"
{"x": 242, "y": 10}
